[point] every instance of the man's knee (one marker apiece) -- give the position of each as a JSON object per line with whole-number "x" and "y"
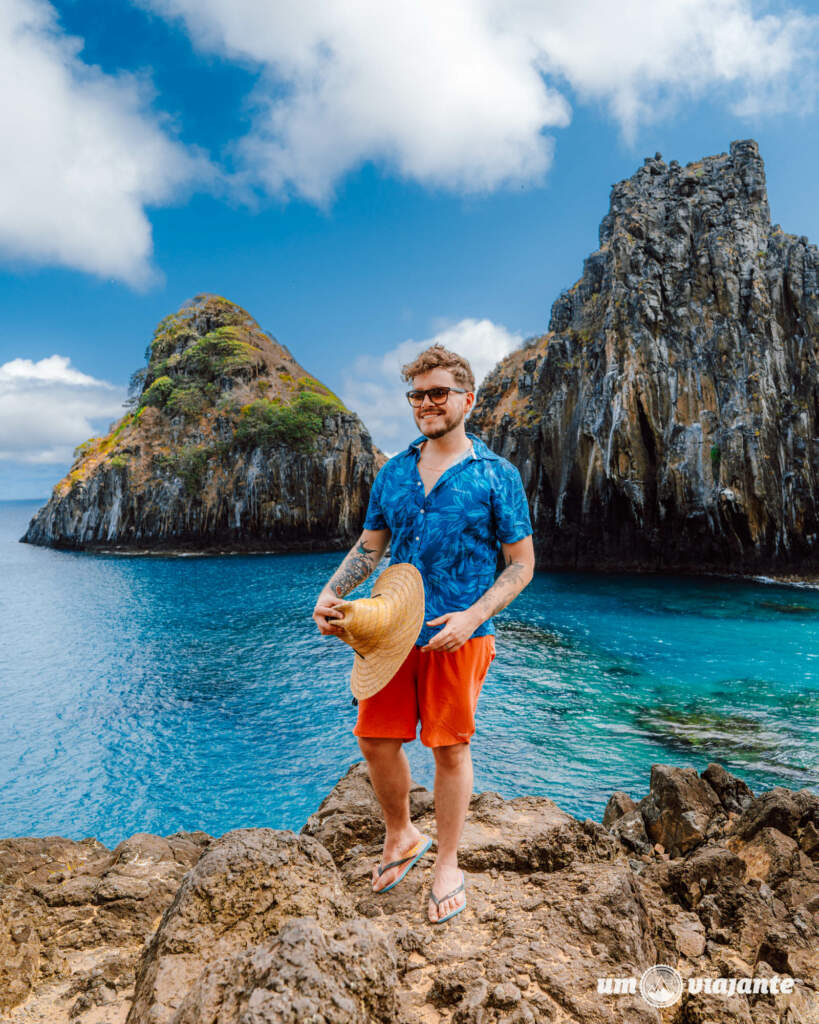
{"x": 379, "y": 748}
{"x": 453, "y": 755}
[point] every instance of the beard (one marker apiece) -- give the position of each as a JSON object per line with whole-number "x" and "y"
{"x": 443, "y": 424}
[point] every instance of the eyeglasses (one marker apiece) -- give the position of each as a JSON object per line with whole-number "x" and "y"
{"x": 437, "y": 396}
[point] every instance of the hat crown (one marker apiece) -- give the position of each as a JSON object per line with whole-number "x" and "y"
{"x": 382, "y": 629}
{"x": 366, "y": 620}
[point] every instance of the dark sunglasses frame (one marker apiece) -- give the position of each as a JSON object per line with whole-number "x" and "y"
{"x": 423, "y": 392}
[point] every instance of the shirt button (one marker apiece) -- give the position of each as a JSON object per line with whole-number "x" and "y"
{"x": 417, "y": 538}
{"x": 422, "y": 511}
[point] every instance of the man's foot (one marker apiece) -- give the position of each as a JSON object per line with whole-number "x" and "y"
{"x": 447, "y": 877}
{"x": 395, "y": 847}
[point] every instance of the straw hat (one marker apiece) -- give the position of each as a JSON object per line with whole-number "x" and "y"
{"x": 382, "y": 629}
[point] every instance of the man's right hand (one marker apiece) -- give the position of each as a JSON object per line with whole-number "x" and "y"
{"x": 325, "y": 614}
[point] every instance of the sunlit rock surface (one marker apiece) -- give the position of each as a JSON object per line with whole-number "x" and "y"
{"x": 263, "y": 926}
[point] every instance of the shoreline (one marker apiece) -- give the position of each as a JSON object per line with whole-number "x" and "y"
{"x": 783, "y": 580}
{"x": 803, "y": 581}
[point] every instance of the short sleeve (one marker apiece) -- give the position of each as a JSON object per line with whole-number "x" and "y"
{"x": 374, "y": 520}
{"x": 510, "y": 506}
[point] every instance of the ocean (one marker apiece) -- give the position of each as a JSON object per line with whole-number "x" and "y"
{"x": 157, "y": 693}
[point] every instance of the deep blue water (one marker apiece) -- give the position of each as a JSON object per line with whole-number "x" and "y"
{"x": 157, "y": 693}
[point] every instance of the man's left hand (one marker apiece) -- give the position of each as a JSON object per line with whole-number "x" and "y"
{"x": 458, "y": 629}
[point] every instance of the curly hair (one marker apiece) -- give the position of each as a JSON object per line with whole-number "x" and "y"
{"x": 437, "y": 356}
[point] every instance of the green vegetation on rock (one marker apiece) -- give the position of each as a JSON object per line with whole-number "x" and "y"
{"x": 194, "y": 359}
{"x": 266, "y": 422}
{"x": 158, "y": 392}
{"x": 715, "y": 460}
{"x": 194, "y": 355}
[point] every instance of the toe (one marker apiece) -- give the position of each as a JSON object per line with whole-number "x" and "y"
{"x": 379, "y": 881}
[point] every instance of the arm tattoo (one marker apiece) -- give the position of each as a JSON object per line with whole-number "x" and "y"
{"x": 356, "y": 567}
{"x": 504, "y": 590}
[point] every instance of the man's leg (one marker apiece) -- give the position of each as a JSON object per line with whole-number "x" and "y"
{"x": 453, "y": 788}
{"x": 391, "y": 778}
{"x": 449, "y": 684}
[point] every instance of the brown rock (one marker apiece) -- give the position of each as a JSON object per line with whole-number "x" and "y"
{"x": 68, "y": 909}
{"x": 346, "y": 975}
{"x": 678, "y": 808}
{"x": 618, "y": 805}
{"x": 631, "y": 831}
{"x": 246, "y": 885}
{"x": 783, "y": 809}
{"x": 733, "y": 793}
{"x": 269, "y": 926}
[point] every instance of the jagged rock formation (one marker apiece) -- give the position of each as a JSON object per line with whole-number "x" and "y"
{"x": 267, "y": 926}
{"x": 670, "y": 416}
{"x": 230, "y": 445}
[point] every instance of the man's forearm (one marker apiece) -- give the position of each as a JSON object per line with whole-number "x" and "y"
{"x": 504, "y": 590}
{"x": 359, "y": 562}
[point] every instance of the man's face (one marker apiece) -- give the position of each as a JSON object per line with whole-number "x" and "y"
{"x": 437, "y": 420}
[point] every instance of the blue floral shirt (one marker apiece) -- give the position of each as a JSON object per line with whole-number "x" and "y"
{"x": 453, "y": 534}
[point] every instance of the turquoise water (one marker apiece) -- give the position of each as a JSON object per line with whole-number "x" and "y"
{"x": 158, "y": 693}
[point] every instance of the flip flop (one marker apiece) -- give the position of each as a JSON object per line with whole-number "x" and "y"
{"x": 438, "y": 900}
{"x": 414, "y": 855}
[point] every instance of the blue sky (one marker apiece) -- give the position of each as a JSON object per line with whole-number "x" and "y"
{"x": 360, "y": 182}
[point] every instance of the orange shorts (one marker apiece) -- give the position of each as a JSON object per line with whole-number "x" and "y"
{"x": 440, "y": 688}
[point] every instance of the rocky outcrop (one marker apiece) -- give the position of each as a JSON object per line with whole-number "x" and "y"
{"x": 268, "y": 926}
{"x": 669, "y": 419}
{"x": 230, "y": 445}
{"x": 75, "y": 917}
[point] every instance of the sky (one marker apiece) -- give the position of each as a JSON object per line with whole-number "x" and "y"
{"x": 363, "y": 177}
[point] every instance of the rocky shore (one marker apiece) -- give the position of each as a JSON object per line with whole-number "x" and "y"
{"x": 261, "y": 926}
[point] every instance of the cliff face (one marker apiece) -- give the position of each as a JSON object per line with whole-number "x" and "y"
{"x": 670, "y": 416}
{"x": 230, "y": 445}
{"x": 266, "y": 926}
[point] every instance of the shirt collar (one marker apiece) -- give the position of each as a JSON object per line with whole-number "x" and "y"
{"x": 480, "y": 450}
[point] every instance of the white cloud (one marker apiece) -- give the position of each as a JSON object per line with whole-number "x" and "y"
{"x": 460, "y": 93}
{"x": 47, "y": 409}
{"x": 373, "y": 387}
{"x": 82, "y": 154}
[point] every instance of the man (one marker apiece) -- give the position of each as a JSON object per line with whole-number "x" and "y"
{"x": 445, "y": 504}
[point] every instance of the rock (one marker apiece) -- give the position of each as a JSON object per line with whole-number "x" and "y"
{"x": 618, "y": 805}
{"x": 74, "y": 915}
{"x": 791, "y": 813}
{"x": 678, "y": 808}
{"x": 630, "y": 829}
{"x": 243, "y": 889}
{"x": 703, "y": 872}
{"x": 229, "y": 445}
{"x": 669, "y": 419}
{"x": 810, "y": 841}
{"x": 347, "y": 976}
{"x": 733, "y": 793}
{"x": 268, "y": 926}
